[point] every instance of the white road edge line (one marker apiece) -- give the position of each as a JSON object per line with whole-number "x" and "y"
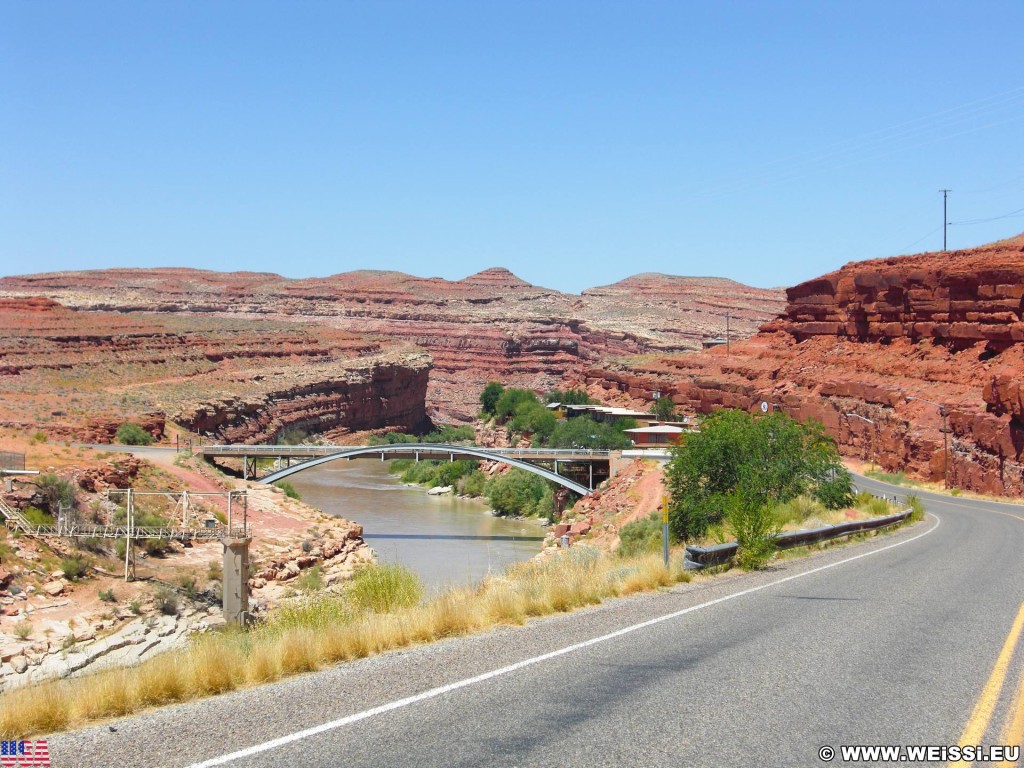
{"x": 435, "y": 692}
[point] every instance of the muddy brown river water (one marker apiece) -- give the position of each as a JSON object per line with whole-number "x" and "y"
{"x": 445, "y": 539}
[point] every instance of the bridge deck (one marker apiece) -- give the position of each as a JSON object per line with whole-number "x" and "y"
{"x": 397, "y": 450}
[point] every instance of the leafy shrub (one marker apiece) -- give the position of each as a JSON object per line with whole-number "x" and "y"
{"x": 36, "y": 516}
{"x": 135, "y": 607}
{"x": 916, "y": 507}
{"x": 755, "y": 529}
{"x": 490, "y": 396}
{"x": 107, "y": 595}
{"x": 288, "y": 488}
{"x": 311, "y": 580}
{"x": 434, "y": 473}
{"x": 758, "y": 462}
{"x": 446, "y": 434}
{"x": 187, "y": 582}
{"x": 513, "y": 400}
{"x": 664, "y": 408}
{"x": 532, "y": 418}
{"x": 472, "y": 484}
{"x": 641, "y": 536}
{"x": 131, "y": 433}
{"x": 384, "y": 588}
{"x": 56, "y": 492}
{"x": 23, "y": 629}
{"x": 517, "y": 492}
{"x": 74, "y": 567}
{"x": 577, "y": 396}
{"x": 166, "y": 600}
{"x": 584, "y": 432}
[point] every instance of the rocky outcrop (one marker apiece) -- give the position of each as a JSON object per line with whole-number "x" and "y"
{"x": 878, "y": 340}
{"x": 960, "y": 299}
{"x": 330, "y": 400}
{"x": 491, "y": 325}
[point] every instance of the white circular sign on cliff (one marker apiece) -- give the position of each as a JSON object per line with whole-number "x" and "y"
{"x": 764, "y": 407}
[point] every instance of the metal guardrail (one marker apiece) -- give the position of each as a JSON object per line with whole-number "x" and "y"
{"x": 719, "y": 554}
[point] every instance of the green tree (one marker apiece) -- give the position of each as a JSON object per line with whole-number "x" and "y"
{"x": 664, "y": 408}
{"x": 575, "y": 396}
{"x": 739, "y": 460}
{"x": 516, "y": 492}
{"x": 511, "y": 401}
{"x": 490, "y": 396}
{"x": 534, "y": 419}
{"x": 584, "y": 432}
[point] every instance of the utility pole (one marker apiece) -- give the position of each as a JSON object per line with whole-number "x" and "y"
{"x": 945, "y": 218}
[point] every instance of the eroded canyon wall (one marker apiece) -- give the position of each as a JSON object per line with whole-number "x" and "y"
{"x": 940, "y": 327}
{"x": 491, "y": 325}
{"x": 80, "y": 375}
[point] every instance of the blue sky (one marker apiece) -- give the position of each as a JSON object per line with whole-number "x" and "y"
{"x": 575, "y": 143}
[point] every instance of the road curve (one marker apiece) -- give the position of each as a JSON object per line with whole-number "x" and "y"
{"x": 905, "y": 639}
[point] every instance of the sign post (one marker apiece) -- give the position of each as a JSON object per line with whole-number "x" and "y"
{"x": 664, "y": 527}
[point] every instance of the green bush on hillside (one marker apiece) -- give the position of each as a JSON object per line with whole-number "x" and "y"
{"x": 641, "y": 536}
{"x": 131, "y": 433}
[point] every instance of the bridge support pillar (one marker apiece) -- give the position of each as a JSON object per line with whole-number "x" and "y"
{"x": 236, "y": 580}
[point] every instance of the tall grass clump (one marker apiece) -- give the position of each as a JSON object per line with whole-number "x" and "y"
{"x": 289, "y": 489}
{"x": 916, "y": 507}
{"x": 797, "y": 510}
{"x": 873, "y": 505}
{"x": 384, "y": 588}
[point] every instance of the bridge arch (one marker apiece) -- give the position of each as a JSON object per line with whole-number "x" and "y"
{"x": 425, "y": 451}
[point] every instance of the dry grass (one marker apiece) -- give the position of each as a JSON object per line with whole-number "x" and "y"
{"x": 326, "y": 629}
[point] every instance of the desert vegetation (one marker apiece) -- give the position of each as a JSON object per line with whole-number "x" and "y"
{"x": 739, "y": 469}
{"x": 381, "y": 609}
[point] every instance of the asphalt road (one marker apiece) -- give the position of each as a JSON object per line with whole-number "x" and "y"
{"x": 899, "y": 640}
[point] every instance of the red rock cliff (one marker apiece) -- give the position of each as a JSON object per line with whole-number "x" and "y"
{"x": 945, "y": 327}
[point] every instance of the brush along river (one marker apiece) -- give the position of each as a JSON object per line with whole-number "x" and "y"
{"x": 444, "y": 539}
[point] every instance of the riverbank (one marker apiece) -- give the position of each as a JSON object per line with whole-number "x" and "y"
{"x": 65, "y": 608}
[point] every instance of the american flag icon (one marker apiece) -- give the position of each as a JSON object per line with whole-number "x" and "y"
{"x": 14, "y": 754}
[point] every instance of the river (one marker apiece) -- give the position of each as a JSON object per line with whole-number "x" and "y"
{"x": 445, "y": 539}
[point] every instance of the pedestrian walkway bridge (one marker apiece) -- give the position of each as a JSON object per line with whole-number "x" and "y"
{"x": 555, "y": 464}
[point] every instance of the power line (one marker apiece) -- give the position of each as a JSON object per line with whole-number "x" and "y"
{"x": 906, "y": 135}
{"x": 1011, "y": 214}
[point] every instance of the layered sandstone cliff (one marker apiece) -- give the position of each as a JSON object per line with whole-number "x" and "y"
{"x": 491, "y": 325}
{"x": 80, "y": 375}
{"x": 878, "y": 339}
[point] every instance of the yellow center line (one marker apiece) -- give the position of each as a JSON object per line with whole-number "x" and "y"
{"x": 1013, "y": 731}
{"x": 977, "y": 725}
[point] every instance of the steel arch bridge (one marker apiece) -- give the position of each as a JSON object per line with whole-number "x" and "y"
{"x": 516, "y": 457}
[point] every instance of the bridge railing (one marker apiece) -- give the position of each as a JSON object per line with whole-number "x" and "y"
{"x": 16, "y": 520}
{"x": 324, "y": 450}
